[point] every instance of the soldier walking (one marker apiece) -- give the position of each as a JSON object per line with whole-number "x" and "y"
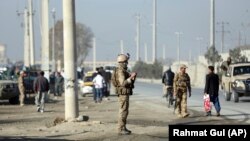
{"x": 181, "y": 86}
{"x": 124, "y": 83}
{"x": 21, "y": 88}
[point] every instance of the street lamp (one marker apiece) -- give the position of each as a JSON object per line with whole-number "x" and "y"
{"x": 178, "y": 46}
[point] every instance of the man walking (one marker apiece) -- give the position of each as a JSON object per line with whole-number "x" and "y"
{"x": 41, "y": 87}
{"x": 167, "y": 81}
{"x": 181, "y": 86}
{"x": 21, "y": 88}
{"x": 212, "y": 89}
{"x": 124, "y": 83}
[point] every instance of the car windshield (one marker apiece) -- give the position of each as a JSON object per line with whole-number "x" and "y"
{"x": 241, "y": 70}
{"x": 88, "y": 79}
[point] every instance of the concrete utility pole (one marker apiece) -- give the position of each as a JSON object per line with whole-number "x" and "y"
{"x": 154, "y": 33}
{"x": 26, "y": 39}
{"x": 94, "y": 54}
{"x": 45, "y": 36}
{"x": 212, "y": 24}
{"x": 71, "y": 97}
{"x": 53, "y": 40}
{"x": 223, "y": 34}
{"x": 138, "y": 19}
{"x": 178, "y": 45}
{"x": 146, "y": 52}
{"x": 122, "y": 47}
{"x": 31, "y": 31}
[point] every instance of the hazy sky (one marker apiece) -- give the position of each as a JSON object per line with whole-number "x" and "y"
{"x": 114, "y": 20}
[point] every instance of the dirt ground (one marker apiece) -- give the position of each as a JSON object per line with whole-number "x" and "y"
{"x": 147, "y": 119}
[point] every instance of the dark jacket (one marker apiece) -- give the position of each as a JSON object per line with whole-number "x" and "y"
{"x": 212, "y": 84}
{"x": 168, "y": 78}
{"x": 41, "y": 84}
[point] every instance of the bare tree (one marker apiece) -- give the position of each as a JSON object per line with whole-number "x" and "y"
{"x": 84, "y": 37}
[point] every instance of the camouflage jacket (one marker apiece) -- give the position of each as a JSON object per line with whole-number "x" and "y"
{"x": 125, "y": 84}
{"x": 182, "y": 82}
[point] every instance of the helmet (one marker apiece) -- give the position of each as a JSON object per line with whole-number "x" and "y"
{"x": 122, "y": 58}
{"x": 183, "y": 66}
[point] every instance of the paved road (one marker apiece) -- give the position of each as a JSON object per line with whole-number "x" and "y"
{"x": 230, "y": 110}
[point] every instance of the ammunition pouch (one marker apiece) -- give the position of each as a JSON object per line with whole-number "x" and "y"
{"x": 124, "y": 91}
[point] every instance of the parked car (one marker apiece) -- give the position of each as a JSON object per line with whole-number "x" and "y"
{"x": 8, "y": 89}
{"x": 87, "y": 86}
{"x": 236, "y": 81}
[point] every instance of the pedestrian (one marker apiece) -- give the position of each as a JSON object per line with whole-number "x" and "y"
{"x": 182, "y": 84}
{"x": 41, "y": 87}
{"x": 107, "y": 77}
{"x": 212, "y": 89}
{"x": 98, "y": 82}
{"x": 123, "y": 81}
{"x": 52, "y": 81}
{"x": 167, "y": 81}
{"x": 21, "y": 88}
{"x": 59, "y": 84}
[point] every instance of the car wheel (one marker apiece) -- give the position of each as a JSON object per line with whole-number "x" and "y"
{"x": 235, "y": 96}
{"x": 14, "y": 100}
{"x": 227, "y": 96}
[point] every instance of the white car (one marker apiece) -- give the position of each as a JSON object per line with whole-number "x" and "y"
{"x": 86, "y": 86}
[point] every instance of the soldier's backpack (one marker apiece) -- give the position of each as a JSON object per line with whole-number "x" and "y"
{"x": 114, "y": 80}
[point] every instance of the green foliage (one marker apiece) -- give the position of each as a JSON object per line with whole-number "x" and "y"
{"x": 236, "y": 55}
{"x": 83, "y": 39}
{"x": 145, "y": 70}
{"x": 212, "y": 56}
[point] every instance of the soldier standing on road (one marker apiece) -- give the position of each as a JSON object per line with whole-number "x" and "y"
{"x": 41, "y": 87}
{"x": 181, "y": 86}
{"x": 124, "y": 85}
{"x": 21, "y": 88}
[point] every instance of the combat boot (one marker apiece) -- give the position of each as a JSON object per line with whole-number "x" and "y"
{"x": 124, "y": 132}
{"x": 128, "y": 130}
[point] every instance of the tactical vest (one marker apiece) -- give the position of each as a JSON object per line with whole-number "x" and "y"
{"x": 119, "y": 89}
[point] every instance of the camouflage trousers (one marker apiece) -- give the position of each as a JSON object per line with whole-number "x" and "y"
{"x": 22, "y": 95}
{"x": 181, "y": 99}
{"x": 123, "y": 111}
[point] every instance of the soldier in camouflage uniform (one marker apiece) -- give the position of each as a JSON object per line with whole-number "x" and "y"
{"x": 181, "y": 86}
{"x": 124, "y": 87}
{"x": 21, "y": 88}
